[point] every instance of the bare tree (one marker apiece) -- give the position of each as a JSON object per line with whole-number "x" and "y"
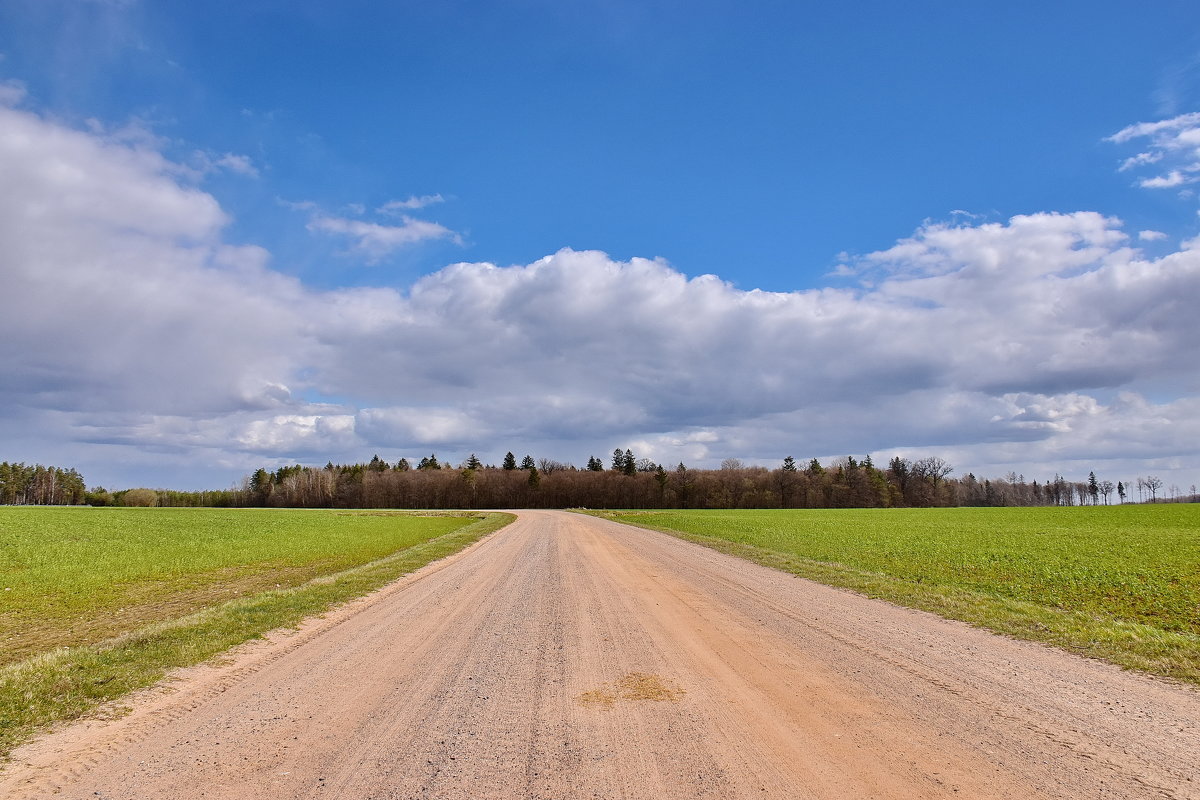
{"x": 1153, "y": 484}
{"x": 549, "y": 465}
{"x": 933, "y": 468}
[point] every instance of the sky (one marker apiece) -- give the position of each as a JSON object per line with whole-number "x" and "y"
{"x": 266, "y": 232}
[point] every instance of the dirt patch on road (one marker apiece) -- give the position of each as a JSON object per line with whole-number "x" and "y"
{"x": 632, "y": 686}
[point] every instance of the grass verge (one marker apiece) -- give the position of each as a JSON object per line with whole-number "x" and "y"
{"x": 1053, "y": 609}
{"x": 78, "y": 576}
{"x": 68, "y": 683}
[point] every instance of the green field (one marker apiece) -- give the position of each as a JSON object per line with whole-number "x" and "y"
{"x": 96, "y": 602}
{"x": 1115, "y": 582}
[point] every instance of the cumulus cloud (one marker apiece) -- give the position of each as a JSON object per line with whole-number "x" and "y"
{"x": 118, "y": 286}
{"x": 304, "y": 434}
{"x": 145, "y": 341}
{"x": 1151, "y": 236}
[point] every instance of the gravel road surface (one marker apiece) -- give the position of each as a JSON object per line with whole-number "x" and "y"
{"x": 570, "y": 657}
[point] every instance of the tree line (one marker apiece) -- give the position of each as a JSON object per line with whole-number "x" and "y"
{"x": 625, "y": 481}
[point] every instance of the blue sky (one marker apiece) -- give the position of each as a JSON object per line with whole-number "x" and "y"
{"x": 754, "y": 141}
{"x": 353, "y": 150}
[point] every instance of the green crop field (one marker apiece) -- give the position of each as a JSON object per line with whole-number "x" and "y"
{"x": 96, "y": 602}
{"x": 1115, "y": 582}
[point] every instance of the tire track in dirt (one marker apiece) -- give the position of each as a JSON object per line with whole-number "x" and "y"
{"x": 566, "y": 656}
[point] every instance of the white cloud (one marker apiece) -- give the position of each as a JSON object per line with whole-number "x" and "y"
{"x": 1139, "y": 160}
{"x": 144, "y": 344}
{"x": 242, "y": 165}
{"x": 1151, "y": 236}
{"x": 1171, "y": 179}
{"x": 376, "y": 241}
{"x": 1183, "y": 122}
{"x": 1173, "y": 142}
{"x": 310, "y": 434}
{"x": 117, "y": 283}
{"x": 411, "y": 204}
{"x": 200, "y": 164}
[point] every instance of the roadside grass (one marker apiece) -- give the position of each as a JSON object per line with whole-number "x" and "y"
{"x": 167, "y": 588}
{"x": 1119, "y": 583}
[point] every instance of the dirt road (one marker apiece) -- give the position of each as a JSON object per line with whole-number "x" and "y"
{"x": 569, "y": 657}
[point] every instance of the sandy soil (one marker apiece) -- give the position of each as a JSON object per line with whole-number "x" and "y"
{"x": 566, "y": 656}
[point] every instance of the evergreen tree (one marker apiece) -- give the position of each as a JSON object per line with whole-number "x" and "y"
{"x": 473, "y": 462}
{"x": 660, "y": 475}
{"x": 683, "y": 484}
{"x": 789, "y": 464}
{"x": 510, "y": 461}
{"x": 527, "y": 463}
{"x": 629, "y": 467}
{"x": 470, "y": 479}
{"x": 260, "y": 481}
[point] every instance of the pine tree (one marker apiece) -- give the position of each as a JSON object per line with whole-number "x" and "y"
{"x": 630, "y": 465}
{"x": 527, "y": 463}
{"x": 473, "y": 462}
{"x": 789, "y": 464}
{"x": 510, "y": 461}
{"x": 660, "y": 475}
{"x": 260, "y": 481}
